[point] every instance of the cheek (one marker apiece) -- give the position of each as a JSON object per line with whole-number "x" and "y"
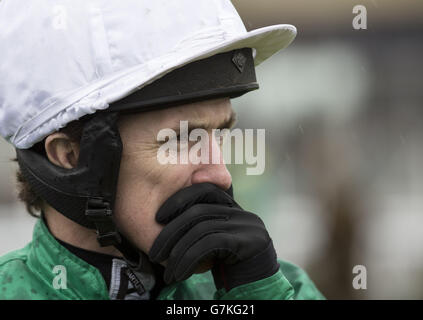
{"x": 143, "y": 187}
{"x": 135, "y": 216}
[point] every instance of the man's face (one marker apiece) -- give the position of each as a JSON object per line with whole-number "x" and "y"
{"x": 144, "y": 183}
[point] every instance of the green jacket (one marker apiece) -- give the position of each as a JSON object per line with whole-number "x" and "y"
{"x": 29, "y": 273}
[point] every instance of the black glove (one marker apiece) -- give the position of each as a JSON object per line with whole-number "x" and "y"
{"x": 204, "y": 223}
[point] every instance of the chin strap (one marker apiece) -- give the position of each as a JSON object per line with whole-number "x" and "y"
{"x": 86, "y": 194}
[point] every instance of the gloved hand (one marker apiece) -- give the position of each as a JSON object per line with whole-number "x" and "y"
{"x": 203, "y": 223}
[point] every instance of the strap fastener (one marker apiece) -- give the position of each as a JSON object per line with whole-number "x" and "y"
{"x": 99, "y": 212}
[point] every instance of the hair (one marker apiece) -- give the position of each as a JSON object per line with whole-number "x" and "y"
{"x": 34, "y": 204}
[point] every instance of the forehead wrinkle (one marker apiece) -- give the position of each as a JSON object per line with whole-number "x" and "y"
{"x": 206, "y": 120}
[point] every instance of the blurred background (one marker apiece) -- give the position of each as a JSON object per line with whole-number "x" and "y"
{"x": 342, "y": 109}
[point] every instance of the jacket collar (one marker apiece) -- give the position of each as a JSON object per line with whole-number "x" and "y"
{"x": 54, "y": 264}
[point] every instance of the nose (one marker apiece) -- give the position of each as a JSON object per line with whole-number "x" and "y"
{"x": 214, "y": 171}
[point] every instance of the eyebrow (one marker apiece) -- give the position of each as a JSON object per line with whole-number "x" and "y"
{"x": 202, "y": 124}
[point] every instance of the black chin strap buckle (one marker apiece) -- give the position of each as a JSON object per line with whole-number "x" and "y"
{"x": 98, "y": 211}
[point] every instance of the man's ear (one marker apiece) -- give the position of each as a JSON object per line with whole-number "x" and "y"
{"x": 61, "y": 150}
